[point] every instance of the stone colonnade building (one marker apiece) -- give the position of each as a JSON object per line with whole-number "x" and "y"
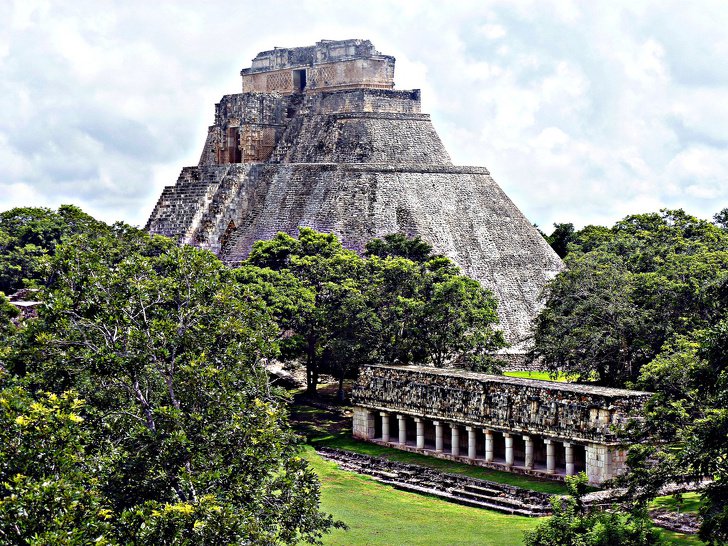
{"x": 528, "y": 426}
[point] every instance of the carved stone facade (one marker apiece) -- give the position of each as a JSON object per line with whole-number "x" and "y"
{"x": 534, "y": 427}
{"x": 319, "y": 138}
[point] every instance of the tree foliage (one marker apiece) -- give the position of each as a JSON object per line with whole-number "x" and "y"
{"x": 384, "y": 309}
{"x": 140, "y": 386}
{"x": 627, "y": 291}
{"x": 573, "y": 524}
{"x": 645, "y": 303}
{"x": 189, "y": 441}
{"x": 28, "y": 234}
{"x": 561, "y": 237}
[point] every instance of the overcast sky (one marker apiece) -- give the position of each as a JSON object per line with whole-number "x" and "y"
{"x": 583, "y": 111}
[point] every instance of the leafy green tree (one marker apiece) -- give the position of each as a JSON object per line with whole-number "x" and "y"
{"x": 561, "y": 237}
{"x": 721, "y": 218}
{"x": 166, "y": 347}
{"x": 8, "y": 313}
{"x": 590, "y": 325}
{"x": 330, "y": 280}
{"x": 628, "y": 290}
{"x": 573, "y": 524}
{"x": 687, "y": 425}
{"x": 50, "y": 494}
{"x": 396, "y": 244}
{"x": 455, "y": 318}
{"x": 385, "y": 309}
{"x": 28, "y": 234}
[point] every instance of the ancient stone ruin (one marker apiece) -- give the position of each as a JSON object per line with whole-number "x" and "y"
{"x": 533, "y": 427}
{"x": 319, "y": 137}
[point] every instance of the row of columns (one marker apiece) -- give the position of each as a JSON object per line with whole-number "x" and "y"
{"x": 455, "y": 443}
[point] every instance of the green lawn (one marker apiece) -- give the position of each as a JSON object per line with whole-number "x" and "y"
{"x": 379, "y": 514}
{"x": 527, "y": 482}
{"x": 687, "y": 502}
{"x": 544, "y": 376}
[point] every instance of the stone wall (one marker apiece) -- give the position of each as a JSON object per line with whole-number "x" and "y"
{"x": 568, "y": 412}
{"x": 328, "y": 65}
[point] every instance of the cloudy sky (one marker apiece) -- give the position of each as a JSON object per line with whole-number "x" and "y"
{"x": 584, "y": 111}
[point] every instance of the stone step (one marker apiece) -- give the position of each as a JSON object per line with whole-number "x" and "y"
{"x": 481, "y": 490}
{"x": 500, "y": 500}
{"x": 475, "y": 503}
{"x": 455, "y": 488}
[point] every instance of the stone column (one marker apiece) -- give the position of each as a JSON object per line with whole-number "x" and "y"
{"x": 570, "y": 468}
{"x": 385, "y": 426}
{"x": 454, "y": 440}
{"x": 471, "y": 442}
{"x": 420, "y": 432}
{"x": 438, "y": 436}
{"x": 488, "y": 445}
{"x": 528, "y": 463}
{"x": 402, "y": 429}
{"x": 509, "y": 449}
{"x": 550, "y": 456}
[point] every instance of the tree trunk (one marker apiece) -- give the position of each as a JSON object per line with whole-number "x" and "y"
{"x": 311, "y": 368}
{"x": 340, "y": 392}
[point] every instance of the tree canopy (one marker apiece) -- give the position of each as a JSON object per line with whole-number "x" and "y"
{"x": 628, "y": 290}
{"x": 386, "y": 308}
{"x": 645, "y": 303}
{"x": 160, "y": 424}
{"x": 141, "y": 388}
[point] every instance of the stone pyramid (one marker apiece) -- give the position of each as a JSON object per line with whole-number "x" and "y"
{"x": 319, "y": 137}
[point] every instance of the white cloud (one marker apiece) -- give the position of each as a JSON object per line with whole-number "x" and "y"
{"x": 584, "y": 112}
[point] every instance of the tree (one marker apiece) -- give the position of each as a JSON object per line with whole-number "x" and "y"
{"x": 455, "y": 316}
{"x": 28, "y": 234}
{"x": 49, "y": 494}
{"x": 385, "y": 309}
{"x": 573, "y": 524}
{"x": 687, "y": 425}
{"x": 590, "y": 325}
{"x": 166, "y": 348}
{"x": 721, "y": 218}
{"x": 628, "y": 290}
{"x": 330, "y": 279}
{"x": 561, "y": 237}
{"x": 396, "y": 244}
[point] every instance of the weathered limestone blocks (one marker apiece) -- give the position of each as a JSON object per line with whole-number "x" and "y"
{"x": 328, "y": 65}
{"x": 568, "y": 411}
{"x": 363, "y": 424}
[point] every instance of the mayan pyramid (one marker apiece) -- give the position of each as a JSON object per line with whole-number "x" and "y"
{"x": 319, "y": 137}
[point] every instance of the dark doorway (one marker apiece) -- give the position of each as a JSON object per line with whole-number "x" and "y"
{"x": 299, "y": 79}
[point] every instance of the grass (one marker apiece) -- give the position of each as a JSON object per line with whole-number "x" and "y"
{"x": 378, "y": 514}
{"x": 687, "y": 502}
{"x": 527, "y": 482}
{"x": 543, "y": 376}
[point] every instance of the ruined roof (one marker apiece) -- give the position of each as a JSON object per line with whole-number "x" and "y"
{"x": 325, "y": 51}
{"x": 576, "y": 388}
{"x": 566, "y": 411}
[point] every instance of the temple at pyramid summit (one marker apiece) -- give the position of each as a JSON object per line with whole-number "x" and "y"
{"x": 320, "y": 137}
